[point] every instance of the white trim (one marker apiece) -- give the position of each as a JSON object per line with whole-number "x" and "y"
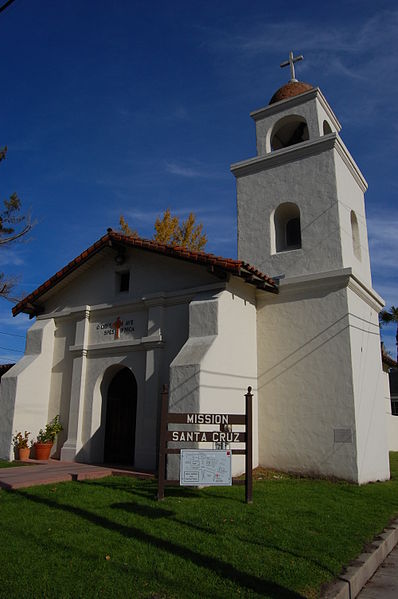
{"x": 161, "y": 298}
{"x": 131, "y": 344}
{"x": 302, "y": 150}
{"x": 311, "y": 94}
{"x": 343, "y": 277}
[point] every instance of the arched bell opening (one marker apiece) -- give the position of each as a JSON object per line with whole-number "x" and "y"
{"x": 289, "y": 131}
{"x": 326, "y": 128}
{"x": 120, "y": 420}
{"x": 287, "y": 228}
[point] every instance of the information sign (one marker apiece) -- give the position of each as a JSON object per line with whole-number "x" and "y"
{"x": 205, "y": 467}
{"x": 200, "y": 466}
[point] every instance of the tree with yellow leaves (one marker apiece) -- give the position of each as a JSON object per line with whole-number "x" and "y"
{"x": 125, "y": 229}
{"x": 169, "y": 230}
{"x": 166, "y": 229}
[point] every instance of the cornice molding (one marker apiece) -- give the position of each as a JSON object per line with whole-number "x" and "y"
{"x": 332, "y": 141}
{"x": 143, "y": 343}
{"x": 334, "y": 279}
{"x": 162, "y": 298}
{"x": 281, "y": 106}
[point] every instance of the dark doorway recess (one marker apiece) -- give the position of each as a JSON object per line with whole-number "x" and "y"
{"x": 121, "y": 411}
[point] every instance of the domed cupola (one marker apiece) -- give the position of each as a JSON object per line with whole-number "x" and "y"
{"x": 289, "y": 90}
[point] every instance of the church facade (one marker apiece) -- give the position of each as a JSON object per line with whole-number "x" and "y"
{"x": 129, "y": 315}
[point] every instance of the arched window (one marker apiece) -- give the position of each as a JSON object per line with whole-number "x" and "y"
{"x": 288, "y": 131}
{"x": 326, "y": 128}
{"x": 287, "y": 227}
{"x": 356, "y": 242}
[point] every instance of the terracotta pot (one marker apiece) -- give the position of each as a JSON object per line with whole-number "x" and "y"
{"x": 43, "y": 450}
{"x": 23, "y": 453}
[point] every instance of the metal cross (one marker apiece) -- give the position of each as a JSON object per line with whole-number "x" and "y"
{"x": 291, "y": 62}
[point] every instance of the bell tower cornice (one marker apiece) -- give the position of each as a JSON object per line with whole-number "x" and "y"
{"x": 288, "y": 103}
{"x": 297, "y": 152}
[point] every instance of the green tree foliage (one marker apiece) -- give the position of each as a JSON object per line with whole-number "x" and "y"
{"x": 13, "y": 225}
{"x": 169, "y": 230}
{"x": 390, "y": 316}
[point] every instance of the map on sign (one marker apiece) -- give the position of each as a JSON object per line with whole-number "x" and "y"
{"x": 202, "y": 467}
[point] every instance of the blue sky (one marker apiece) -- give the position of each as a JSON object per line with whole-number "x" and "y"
{"x": 127, "y": 107}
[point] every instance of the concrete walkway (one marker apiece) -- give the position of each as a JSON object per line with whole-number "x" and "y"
{"x": 384, "y": 583}
{"x": 53, "y": 471}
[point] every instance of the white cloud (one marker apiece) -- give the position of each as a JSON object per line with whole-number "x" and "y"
{"x": 193, "y": 171}
{"x": 361, "y": 52}
{"x": 181, "y": 113}
{"x": 360, "y": 40}
{"x": 8, "y": 358}
{"x": 183, "y": 170}
{"x": 10, "y": 324}
{"x": 10, "y": 257}
{"x": 383, "y": 248}
{"x": 383, "y": 243}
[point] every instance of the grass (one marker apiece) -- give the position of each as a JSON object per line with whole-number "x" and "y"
{"x": 110, "y": 538}
{"x": 4, "y": 464}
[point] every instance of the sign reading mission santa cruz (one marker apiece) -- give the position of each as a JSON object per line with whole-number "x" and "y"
{"x": 225, "y": 434}
{"x": 220, "y": 436}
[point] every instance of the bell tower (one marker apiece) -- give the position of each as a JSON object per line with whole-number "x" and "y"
{"x": 301, "y": 199}
{"x": 301, "y": 217}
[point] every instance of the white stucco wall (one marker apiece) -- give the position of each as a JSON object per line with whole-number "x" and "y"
{"x": 351, "y": 197}
{"x": 25, "y": 388}
{"x": 305, "y": 380}
{"x": 371, "y": 428}
{"x": 309, "y": 182}
{"x": 93, "y": 358}
{"x": 218, "y": 362}
{"x": 78, "y": 357}
{"x": 96, "y": 282}
{"x": 391, "y": 421}
{"x": 392, "y": 428}
{"x": 320, "y": 381}
{"x": 312, "y": 106}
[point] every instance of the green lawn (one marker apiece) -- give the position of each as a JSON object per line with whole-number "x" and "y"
{"x": 110, "y": 538}
{"x": 4, "y": 464}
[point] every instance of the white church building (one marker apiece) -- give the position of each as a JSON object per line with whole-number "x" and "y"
{"x": 128, "y": 315}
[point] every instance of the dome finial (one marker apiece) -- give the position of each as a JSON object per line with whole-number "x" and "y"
{"x": 291, "y": 62}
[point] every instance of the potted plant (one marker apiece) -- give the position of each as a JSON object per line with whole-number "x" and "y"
{"x": 21, "y": 445}
{"x": 46, "y": 438}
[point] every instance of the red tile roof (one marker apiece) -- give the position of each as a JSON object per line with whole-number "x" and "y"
{"x": 290, "y": 90}
{"x": 228, "y": 265}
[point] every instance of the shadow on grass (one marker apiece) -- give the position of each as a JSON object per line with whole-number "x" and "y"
{"x": 150, "y": 491}
{"x": 220, "y": 568}
{"x": 143, "y": 510}
{"x": 157, "y": 513}
{"x": 15, "y": 587}
{"x": 289, "y": 552}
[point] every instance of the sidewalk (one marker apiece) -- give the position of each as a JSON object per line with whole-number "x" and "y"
{"x": 54, "y": 471}
{"x": 384, "y": 584}
{"x": 374, "y": 573}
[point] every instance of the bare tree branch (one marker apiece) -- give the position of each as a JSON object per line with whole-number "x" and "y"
{"x": 25, "y": 230}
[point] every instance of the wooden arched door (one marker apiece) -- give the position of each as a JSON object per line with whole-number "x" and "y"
{"x": 121, "y": 411}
